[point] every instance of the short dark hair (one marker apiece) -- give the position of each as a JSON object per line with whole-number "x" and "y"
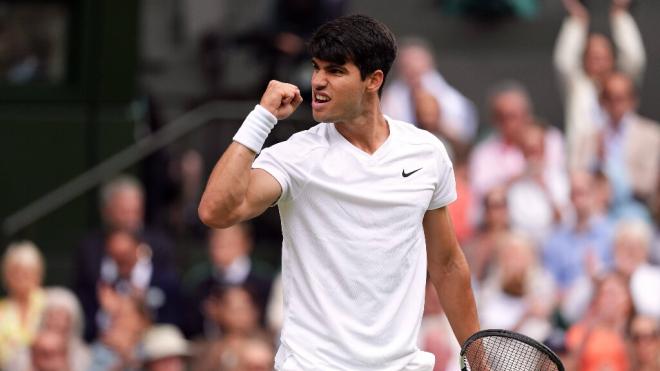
{"x": 357, "y": 38}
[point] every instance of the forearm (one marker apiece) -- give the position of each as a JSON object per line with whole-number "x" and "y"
{"x": 628, "y": 40}
{"x": 227, "y": 186}
{"x": 452, "y": 282}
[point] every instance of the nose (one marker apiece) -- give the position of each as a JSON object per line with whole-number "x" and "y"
{"x": 319, "y": 80}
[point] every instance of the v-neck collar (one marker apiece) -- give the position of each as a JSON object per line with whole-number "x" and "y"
{"x": 373, "y": 157}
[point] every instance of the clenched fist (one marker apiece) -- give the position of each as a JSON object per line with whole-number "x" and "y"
{"x": 281, "y": 99}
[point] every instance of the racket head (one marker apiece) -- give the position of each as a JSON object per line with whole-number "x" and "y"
{"x": 502, "y": 350}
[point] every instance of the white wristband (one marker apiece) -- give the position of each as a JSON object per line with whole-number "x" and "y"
{"x": 255, "y": 129}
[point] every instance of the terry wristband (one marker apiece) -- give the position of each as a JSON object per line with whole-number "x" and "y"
{"x": 255, "y": 129}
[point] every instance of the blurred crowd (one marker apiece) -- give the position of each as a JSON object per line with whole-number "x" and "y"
{"x": 558, "y": 221}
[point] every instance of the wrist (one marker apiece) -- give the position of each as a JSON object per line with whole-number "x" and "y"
{"x": 255, "y": 128}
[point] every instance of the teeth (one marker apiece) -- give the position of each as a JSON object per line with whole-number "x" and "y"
{"x": 321, "y": 98}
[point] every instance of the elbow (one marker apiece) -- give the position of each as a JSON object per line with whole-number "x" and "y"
{"x": 212, "y": 215}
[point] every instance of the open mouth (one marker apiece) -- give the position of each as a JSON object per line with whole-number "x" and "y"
{"x": 319, "y": 99}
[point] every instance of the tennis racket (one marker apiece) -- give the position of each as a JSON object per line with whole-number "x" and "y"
{"x": 501, "y": 350}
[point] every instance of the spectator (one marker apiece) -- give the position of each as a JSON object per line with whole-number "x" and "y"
{"x": 632, "y": 243}
{"x": 519, "y": 287}
{"x": 122, "y": 207}
{"x": 597, "y": 342}
{"x": 165, "y": 349}
{"x": 253, "y": 354}
{"x": 480, "y": 252}
{"x": 585, "y": 61}
{"x": 236, "y": 317}
{"x": 538, "y": 198}
{"x": 229, "y": 264}
{"x": 118, "y": 346}
{"x": 645, "y": 338}
{"x": 581, "y": 247}
{"x": 497, "y": 160}
{"x": 628, "y": 145}
{"x": 417, "y": 73}
{"x": 128, "y": 270}
{"x": 61, "y": 315}
{"x": 20, "y": 311}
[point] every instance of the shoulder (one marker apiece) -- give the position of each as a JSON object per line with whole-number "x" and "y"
{"x": 303, "y": 142}
{"x": 411, "y": 134}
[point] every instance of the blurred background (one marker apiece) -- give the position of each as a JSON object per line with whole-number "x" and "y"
{"x": 113, "y": 113}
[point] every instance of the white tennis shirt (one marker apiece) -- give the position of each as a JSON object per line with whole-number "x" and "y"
{"x": 353, "y": 250}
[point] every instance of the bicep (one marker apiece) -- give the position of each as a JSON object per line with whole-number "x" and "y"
{"x": 263, "y": 191}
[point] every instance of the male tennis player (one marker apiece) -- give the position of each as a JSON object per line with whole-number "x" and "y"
{"x": 362, "y": 200}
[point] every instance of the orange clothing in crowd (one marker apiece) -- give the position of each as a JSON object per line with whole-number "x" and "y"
{"x": 603, "y": 349}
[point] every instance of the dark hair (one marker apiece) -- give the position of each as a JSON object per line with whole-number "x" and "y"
{"x": 360, "y": 39}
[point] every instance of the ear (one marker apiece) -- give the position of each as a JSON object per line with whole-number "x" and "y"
{"x": 375, "y": 81}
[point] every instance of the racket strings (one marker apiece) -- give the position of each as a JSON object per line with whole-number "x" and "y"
{"x": 505, "y": 354}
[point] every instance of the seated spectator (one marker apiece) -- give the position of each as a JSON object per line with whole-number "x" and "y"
{"x": 417, "y": 73}
{"x": 20, "y": 311}
{"x": 584, "y": 61}
{"x": 497, "y": 160}
{"x": 632, "y": 243}
{"x": 122, "y": 207}
{"x": 582, "y": 246}
{"x": 480, "y": 252}
{"x": 61, "y": 315}
{"x": 538, "y": 198}
{"x": 645, "y": 338}
{"x": 127, "y": 269}
{"x": 597, "y": 342}
{"x": 229, "y": 264}
{"x": 119, "y": 344}
{"x": 519, "y": 287}
{"x": 627, "y": 147}
{"x": 165, "y": 349}
{"x": 236, "y": 318}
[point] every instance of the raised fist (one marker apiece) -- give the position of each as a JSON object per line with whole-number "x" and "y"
{"x": 281, "y": 99}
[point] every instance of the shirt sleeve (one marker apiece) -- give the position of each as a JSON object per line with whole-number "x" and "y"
{"x": 445, "y": 191}
{"x": 272, "y": 161}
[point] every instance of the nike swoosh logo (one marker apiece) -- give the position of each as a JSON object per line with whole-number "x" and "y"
{"x": 405, "y": 175}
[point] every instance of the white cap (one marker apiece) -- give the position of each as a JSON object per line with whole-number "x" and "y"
{"x": 163, "y": 341}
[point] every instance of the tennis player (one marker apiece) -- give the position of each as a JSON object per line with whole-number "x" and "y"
{"x": 362, "y": 200}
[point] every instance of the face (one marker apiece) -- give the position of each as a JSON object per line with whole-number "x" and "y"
{"x": 21, "y": 279}
{"x": 226, "y": 245}
{"x": 618, "y": 97}
{"x": 49, "y": 352}
{"x": 123, "y": 249}
{"x": 598, "y": 57}
{"x": 510, "y": 114}
{"x": 238, "y": 313}
{"x": 338, "y": 91}
{"x": 413, "y": 62}
{"x": 497, "y": 212}
{"x": 125, "y": 210}
{"x": 645, "y": 336}
{"x": 581, "y": 193}
{"x": 613, "y": 301}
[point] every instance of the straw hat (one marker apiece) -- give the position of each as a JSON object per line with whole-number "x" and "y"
{"x": 163, "y": 341}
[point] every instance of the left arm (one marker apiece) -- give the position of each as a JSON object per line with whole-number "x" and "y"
{"x": 450, "y": 273}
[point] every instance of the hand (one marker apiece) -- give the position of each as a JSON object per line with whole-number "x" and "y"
{"x": 577, "y": 9}
{"x": 281, "y": 99}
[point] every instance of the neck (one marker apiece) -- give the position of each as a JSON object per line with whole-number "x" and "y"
{"x": 368, "y": 131}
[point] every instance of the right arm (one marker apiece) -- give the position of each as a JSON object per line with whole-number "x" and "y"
{"x": 571, "y": 41}
{"x": 235, "y": 192}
